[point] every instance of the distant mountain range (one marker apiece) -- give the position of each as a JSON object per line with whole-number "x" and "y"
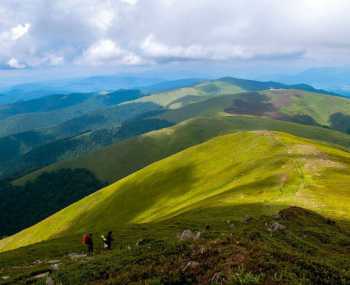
{"x": 211, "y": 176}
{"x": 334, "y": 79}
{"x": 35, "y": 90}
{"x": 28, "y": 91}
{"x": 41, "y": 131}
{"x": 228, "y": 176}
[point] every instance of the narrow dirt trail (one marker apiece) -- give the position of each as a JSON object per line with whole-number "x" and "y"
{"x": 297, "y": 164}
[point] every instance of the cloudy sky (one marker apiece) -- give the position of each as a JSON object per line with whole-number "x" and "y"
{"x": 193, "y": 35}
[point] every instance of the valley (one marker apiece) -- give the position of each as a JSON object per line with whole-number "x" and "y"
{"x": 167, "y": 142}
{"x": 252, "y": 166}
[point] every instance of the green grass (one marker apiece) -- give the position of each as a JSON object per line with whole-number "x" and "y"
{"x": 310, "y": 250}
{"x": 121, "y": 159}
{"x": 254, "y": 172}
{"x": 319, "y": 106}
{"x": 181, "y": 97}
{"x": 205, "y": 98}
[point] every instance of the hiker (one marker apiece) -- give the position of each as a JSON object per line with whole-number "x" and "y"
{"x": 107, "y": 240}
{"x": 87, "y": 240}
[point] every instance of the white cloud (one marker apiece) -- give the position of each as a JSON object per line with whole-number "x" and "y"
{"x": 55, "y": 59}
{"x": 103, "y": 50}
{"x": 9, "y": 37}
{"x": 132, "y": 59}
{"x": 13, "y": 63}
{"x": 157, "y": 50}
{"x": 19, "y": 31}
{"x": 97, "y": 32}
{"x": 130, "y": 2}
{"x": 103, "y": 19}
{"x": 107, "y": 51}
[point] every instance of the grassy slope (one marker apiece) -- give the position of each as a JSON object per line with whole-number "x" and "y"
{"x": 183, "y": 96}
{"x": 65, "y": 140}
{"x": 286, "y": 101}
{"x": 262, "y": 168}
{"x": 121, "y": 159}
{"x": 318, "y": 106}
{"x": 208, "y": 98}
{"x": 311, "y": 250}
{"x": 52, "y": 110}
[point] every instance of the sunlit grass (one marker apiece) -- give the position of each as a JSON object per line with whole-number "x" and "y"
{"x": 246, "y": 168}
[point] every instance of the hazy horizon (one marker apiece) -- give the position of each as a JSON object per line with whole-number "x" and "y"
{"x": 49, "y": 40}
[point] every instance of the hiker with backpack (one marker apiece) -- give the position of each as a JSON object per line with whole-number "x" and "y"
{"x": 87, "y": 240}
{"x": 107, "y": 240}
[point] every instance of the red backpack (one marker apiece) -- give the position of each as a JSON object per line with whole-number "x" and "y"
{"x": 85, "y": 239}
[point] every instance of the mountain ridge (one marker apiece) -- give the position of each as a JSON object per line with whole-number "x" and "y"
{"x": 203, "y": 176}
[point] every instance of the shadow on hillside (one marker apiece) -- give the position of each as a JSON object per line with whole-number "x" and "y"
{"x": 249, "y": 189}
{"x": 218, "y": 216}
{"x": 134, "y": 197}
{"x": 142, "y": 198}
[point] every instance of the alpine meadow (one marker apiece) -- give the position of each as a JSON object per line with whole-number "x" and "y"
{"x": 174, "y": 142}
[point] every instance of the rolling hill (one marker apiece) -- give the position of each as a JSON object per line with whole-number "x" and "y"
{"x": 207, "y": 98}
{"x": 30, "y": 150}
{"x": 75, "y": 146}
{"x": 201, "y": 91}
{"x": 53, "y": 110}
{"x": 285, "y": 104}
{"x": 180, "y": 97}
{"x": 26, "y": 205}
{"x": 227, "y": 177}
{"x": 96, "y": 84}
{"x": 319, "y": 107}
{"x": 76, "y": 120}
{"x": 123, "y": 158}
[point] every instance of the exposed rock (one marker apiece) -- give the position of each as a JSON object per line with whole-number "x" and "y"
{"x": 54, "y": 261}
{"x": 75, "y": 256}
{"x": 191, "y": 265}
{"x": 142, "y": 242}
{"x": 5, "y": 277}
{"x": 275, "y": 226}
{"x": 41, "y": 275}
{"x": 197, "y": 236}
{"x": 186, "y": 235}
{"x": 276, "y": 216}
{"x": 189, "y": 235}
{"x": 49, "y": 281}
{"x": 247, "y": 219}
{"x": 55, "y": 266}
{"x": 202, "y": 250}
{"x": 255, "y": 236}
{"x": 218, "y": 278}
